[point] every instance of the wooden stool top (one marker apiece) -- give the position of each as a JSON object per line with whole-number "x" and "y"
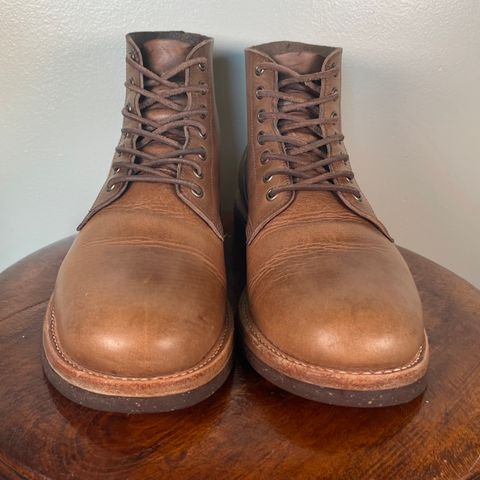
{"x": 249, "y": 429}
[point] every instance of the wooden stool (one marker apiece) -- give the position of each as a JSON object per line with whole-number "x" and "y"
{"x": 249, "y": 429}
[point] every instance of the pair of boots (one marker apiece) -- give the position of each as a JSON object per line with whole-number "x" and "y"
{"x": 139, "y": 319}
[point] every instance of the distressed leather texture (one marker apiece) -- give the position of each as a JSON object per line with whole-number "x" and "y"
{"x": 325, "y": 283}
{"x": 142, "y": 291}
{"x": 165, "y": 50}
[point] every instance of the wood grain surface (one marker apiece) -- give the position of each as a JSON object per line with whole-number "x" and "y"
{"x": 249, "y": 429}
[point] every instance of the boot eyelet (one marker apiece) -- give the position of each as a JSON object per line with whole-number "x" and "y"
{"x": 132, "y": 81}
{"x": 358, "y": 197}
{"x": 260, "y": 134}
{"x": 258, "y": 94}
{"x": 202, "y": 135}
{"x": 259, "y": 71}
{"x": 266, "y": 178}
{"x": 271, "y": 196}
{"x": 348, "y": 179}
{"x": 203, "y": 155}
{"x": 202, "y": 67}
{"x": 111, "y": 187}
{"x": 204, "y": 90}
{"x": 334, "y": 115}
{"x": 203, "y": 115}
{"x": 260, "y": 117}
{"x": 198, "y": 173}
{"x": 263, "y": 159}
{"x": 129, "y": 108}
{"x": 198, "y": 193}
{"x": 116, "y": 170}
{"x": 334, "y": 91}
{"x": 133, "y": 56}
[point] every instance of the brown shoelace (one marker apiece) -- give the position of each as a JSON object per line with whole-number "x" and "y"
{"x": 299, "y": 103}
{"x": 162, "y": 91}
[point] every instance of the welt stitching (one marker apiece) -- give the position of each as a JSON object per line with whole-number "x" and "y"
{"x": 314, "y": 367}
{"x": 141, "y": 379}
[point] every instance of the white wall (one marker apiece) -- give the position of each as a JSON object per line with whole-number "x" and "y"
{"x": 411, "y": 106}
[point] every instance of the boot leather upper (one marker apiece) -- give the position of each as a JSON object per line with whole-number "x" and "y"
{"x": 325, "y": 283}
{"x": 142, "y": 291}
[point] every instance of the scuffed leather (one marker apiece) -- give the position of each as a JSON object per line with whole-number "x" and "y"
{"x": 261, "y": 211}
{"x": 325, "y": 283}
{"x": 142, "y": 291}
{"x": 328, "y": 288}
{"x": 207, "y": 206}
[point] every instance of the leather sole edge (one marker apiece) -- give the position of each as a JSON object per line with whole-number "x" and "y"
{"x": 138, "y": 395}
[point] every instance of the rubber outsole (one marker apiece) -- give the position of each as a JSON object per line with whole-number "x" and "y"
{"x": 132, "y": 405}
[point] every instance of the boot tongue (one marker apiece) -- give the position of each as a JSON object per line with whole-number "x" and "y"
{"x": 161, "y": 55}
{"x": 302, "y": 62}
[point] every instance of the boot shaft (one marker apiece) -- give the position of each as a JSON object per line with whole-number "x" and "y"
{"x": 170, "y": 125}
{"x": 295, "y": 148}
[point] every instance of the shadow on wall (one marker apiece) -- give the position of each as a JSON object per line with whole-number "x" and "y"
{"x": 230, "y": 96}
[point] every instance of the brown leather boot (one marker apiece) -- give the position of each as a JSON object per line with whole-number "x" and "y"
{"x": 331, "y": 311}
{"x": 138, "y": 320}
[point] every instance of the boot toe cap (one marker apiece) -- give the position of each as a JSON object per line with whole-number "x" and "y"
{"x": 143, "y": 317}
{"x": 369, "y": 336}
{"x": 342, "y": 310}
